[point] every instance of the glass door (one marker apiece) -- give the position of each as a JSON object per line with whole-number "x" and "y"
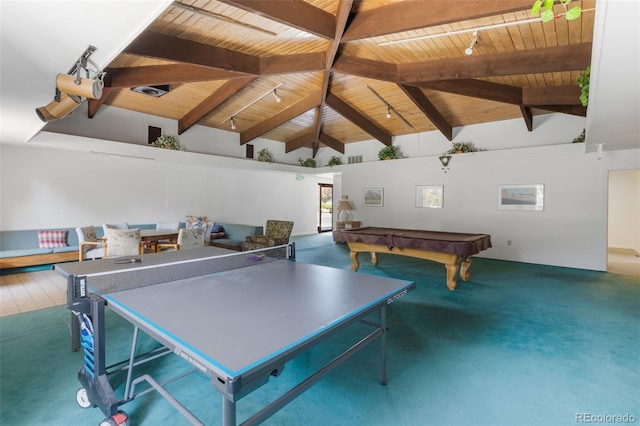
{"x": 325, "y": 207}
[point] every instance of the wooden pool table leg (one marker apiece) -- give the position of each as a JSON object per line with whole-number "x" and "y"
{"x": 355, "y": 264}
{"x": 452, "y": 268}
{"x": 465, "y": 264}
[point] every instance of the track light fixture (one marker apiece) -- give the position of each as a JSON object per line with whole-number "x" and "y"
{"x": 469, "y": 50}
{"x": 389, "y": 107}
{"x": 72, "y": 89}
{"x": 388, "y": 112}
{"x": 234, "y": 115}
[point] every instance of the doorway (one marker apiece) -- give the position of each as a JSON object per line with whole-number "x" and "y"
{"x": 325, "y": 207}
{"x": 623, "y": 233}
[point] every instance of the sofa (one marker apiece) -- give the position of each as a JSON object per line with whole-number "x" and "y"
{"x": 22, "y": 248}
{"x": 231, "y": 236}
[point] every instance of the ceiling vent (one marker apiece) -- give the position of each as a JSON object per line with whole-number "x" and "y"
{"x": 155, "y": 91}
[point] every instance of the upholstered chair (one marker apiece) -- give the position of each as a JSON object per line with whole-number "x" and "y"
{"x": 187, "y": 239}
{"x": 277, "y": 232}
{"x": 106, "y": 226}
{"x": 90, "y": 246}
{"x": 123, "y": 242}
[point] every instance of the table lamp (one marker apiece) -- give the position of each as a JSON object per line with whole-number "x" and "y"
{"x": 343, "y": 207}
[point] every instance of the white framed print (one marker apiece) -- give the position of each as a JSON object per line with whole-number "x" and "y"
{"x": 430, "y": 196}
{"x": 373, "y": 197}
{"x": 521, "y": 197}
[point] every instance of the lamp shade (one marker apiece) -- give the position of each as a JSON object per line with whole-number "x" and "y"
{"x": 344, "y": 203}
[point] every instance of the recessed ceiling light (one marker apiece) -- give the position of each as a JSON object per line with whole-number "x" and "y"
{"x": 155, "y": 91}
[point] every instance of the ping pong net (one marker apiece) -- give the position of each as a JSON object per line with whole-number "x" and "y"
{"x": 112, "y": 275}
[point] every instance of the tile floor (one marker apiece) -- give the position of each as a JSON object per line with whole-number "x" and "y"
{"x": 31, "y": 291}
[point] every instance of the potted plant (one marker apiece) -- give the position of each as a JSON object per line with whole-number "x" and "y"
{"x": 580, "y": 137}
{"x": 264, "y": 156}
{"x": 334, "y": 161}
{"x": 461, "y": 147}
{"x": 583, "y": 82}
{"x": 168, "y": 142}
{"x": 309, "y": 162}
{"x": 388, "y": 153}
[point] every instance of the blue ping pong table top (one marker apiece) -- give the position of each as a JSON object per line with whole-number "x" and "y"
{"x": 234, "y": 322}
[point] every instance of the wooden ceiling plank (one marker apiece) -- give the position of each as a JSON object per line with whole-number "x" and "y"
{"x": 331, "y": 142}
{"x": 412, "y": 15}
{"x": 281, "y": 117}
{"x": 297, "y": 14}
{"x": 152, "y": 75}
{"x": 477, "y": 89}
{"x": 563, "y": 58}
{"x": 342, "y": 108}
{"x": 176, "y": 49}
{"x": 213, "y": 101}
{"x": 422, "y": 102}
{"x": 559, "y": 95}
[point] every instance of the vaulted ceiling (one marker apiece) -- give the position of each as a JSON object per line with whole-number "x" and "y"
{"x": 351, "y": 70}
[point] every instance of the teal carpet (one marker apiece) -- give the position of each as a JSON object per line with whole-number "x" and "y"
{"x": 518, "y": 344}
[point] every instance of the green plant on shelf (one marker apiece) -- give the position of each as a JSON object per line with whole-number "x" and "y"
{"x": 309, "y": 162}
{"x": 264, "y": 156}
{"x": 461, "y": 147}
{"x": 388, "y": 153}
{"x": 583, "y": 82}
{"x": 168, "y": 142}
{"x": 334, "y": 161}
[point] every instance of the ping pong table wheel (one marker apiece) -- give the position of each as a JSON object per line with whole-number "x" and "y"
{"x": 83, "y": 399}
{"x": 119, "y": 419}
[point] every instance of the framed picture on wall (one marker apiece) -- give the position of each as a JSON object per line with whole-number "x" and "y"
{"x": 373, "y": 197}
{"x": 430, "y": 196}
{"x": 521, "y": 197}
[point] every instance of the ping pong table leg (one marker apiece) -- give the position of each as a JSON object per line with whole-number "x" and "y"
{"x": 228, "y": 412}
{"x": 383, "y": 339}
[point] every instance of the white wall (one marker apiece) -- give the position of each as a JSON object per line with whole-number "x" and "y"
{"x": 50, "y": 186}
{"x": 570, "y": 231}
{"x": 624, "y": 209}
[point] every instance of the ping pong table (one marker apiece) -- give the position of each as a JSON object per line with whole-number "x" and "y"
{"x": 237, "y": 317}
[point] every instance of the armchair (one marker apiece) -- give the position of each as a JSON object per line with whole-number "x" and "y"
{"x": 90, "y": 246}
{"x": 187, "y": 239}
{"x": 123, "y": 242}
{"x": 276, "y": 233}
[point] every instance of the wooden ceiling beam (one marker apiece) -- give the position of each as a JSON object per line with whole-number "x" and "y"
{"x": 559, "y": 95}
{"x": 476, "y": 89}
{"x": 153, "y": 75}
{"x": 279, "y": 118}
{"x": 548, "y": 59}
{"x": 342, "y": 15}
{"x": 212, "y": 101}
{"x": 342, "y": 108}
{"x": 578, "y": 110}
{"x": 287, "y": 64}
{"x": 412, "y": 15}
{"x": 331, "y": 142}
{"x": 528, "y": 117}
{"x": 420, "y": 99}
{"x": 368, "y": 68}
{"x": 94, "y": 105}
{"x": 296, "y": 14}
{"x": 299, "y": 142}
{"x": 176, "y": 49}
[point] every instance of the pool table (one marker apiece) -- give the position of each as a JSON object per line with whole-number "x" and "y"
{"x": 453, "y": 249}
